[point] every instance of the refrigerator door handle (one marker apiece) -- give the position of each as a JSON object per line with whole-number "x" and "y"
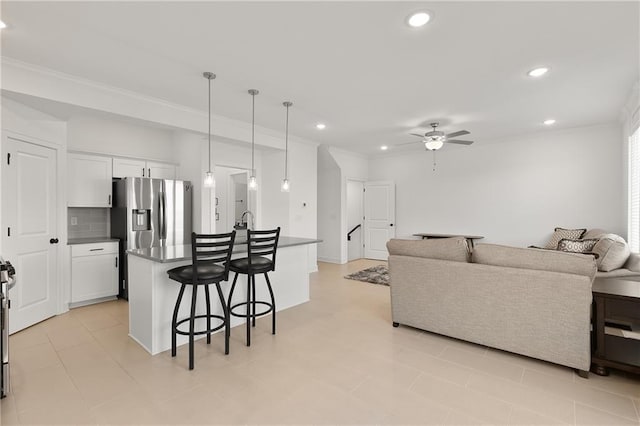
{"x": 162, "y": 217}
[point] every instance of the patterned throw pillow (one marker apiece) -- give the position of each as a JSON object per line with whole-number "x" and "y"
{"x": 560, "y": 233}
{"x": 576, "y": 246}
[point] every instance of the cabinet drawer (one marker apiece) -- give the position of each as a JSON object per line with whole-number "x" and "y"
{"x": 622, "y": 350}
{"x": 616, "y": 308}
{"x": 94, "y": 249}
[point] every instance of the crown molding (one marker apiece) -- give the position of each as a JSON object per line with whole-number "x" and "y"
{"x": 275, "y": 138}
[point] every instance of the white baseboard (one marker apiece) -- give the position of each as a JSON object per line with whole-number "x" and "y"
{"x": 329, "y": 260}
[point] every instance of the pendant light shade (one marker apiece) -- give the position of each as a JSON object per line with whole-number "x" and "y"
{"x": 285, "y": 182}
{"x": 253, "y": 183}
{"x": 209, "y": 179}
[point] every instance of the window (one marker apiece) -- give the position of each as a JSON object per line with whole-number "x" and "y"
{"x": 634, "y": 191}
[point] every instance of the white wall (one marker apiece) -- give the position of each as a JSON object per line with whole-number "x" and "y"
{"x": 98, "y": 134}
{"x": 303, "y": 196}
{"x": 329, "y": 207}
{"x": 514, "y": 192}
{"x": 189, "y": 151}
{"x": 275, "y": 203}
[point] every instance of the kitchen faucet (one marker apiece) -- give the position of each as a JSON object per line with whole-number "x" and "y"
{"x": 245, "y": 213}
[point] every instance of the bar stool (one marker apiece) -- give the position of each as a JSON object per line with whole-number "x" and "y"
{"x": 261, "y": 258}
{"x": 211, "y": 254}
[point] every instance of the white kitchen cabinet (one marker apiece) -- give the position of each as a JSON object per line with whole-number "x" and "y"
{"x": 157, "y": 170}
{"x": 130, "y": 167}
{"x": 89, "y": 180}
{"x": 94, "y": 271}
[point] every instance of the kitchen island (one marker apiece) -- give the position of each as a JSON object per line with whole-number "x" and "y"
{"x": 152, "y": 295}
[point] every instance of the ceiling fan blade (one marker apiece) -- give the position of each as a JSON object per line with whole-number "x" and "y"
{"x": 456, "y": 134}
{"x": 458, "y": 141}
{"x": 416, "y": 134}
{"x": 408, "y": 143}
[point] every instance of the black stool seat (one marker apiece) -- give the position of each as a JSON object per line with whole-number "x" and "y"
{"x": 211, "y": 255}
{"x": 207, "y": 274}
{"x": 259, "y": 265}
{"x": 261, "y": 258}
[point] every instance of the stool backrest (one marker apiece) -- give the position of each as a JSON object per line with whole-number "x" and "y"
{"x": 212, "y": 248}
{"x": 263, "y": 243}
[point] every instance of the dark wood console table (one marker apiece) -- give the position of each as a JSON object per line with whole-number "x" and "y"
{"x": 616, "y": 322}
{"x": 469, "y": 238}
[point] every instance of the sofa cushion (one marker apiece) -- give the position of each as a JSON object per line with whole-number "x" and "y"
{"x": 455, "y": 249}
{"x": 633, "y": 263}
{"x": 542, "y": 260}
{"x": 594, "y": 233}
{"x": 619, "y": 273}
{"x": 576, "y": 246}
{"x": 613, "y": 252}
{"x": 560, "y": 233}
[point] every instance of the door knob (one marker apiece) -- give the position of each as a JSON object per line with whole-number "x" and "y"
{"x": 53, "y": 241}
{"x": 391, "y": 224}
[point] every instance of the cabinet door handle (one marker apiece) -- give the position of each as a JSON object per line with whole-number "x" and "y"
{"x": 98, "y": 249}
{"x": 109, "y": 199}
{"x": 149, "y": 171}
{"x": 143, "y": 172}
{"x": 116, "y": 261}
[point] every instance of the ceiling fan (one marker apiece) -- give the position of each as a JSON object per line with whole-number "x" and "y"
{"x": 435, "y": 139}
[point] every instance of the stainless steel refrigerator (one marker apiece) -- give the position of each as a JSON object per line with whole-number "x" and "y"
{"x": 149, "y": 213}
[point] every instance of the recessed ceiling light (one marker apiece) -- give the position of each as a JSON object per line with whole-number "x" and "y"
{"x": 538, "y": 72}
{"x": 321, "y": 126}
{"x": 418, "y": 19}
{"x": 384, "y": 147}
{"x": 2, "y": 25}
{"x": 549, "y": 122}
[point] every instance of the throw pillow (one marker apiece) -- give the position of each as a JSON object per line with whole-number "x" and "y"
{"x": 613, "y": 252}
{"x": 560, "y": 233}
{"x": 576, "y": 246}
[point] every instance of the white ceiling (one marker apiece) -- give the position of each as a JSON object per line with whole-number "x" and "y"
{"x": 354, "y": 65}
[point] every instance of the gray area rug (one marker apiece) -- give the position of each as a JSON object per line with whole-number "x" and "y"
{"x": 374, "y": 275}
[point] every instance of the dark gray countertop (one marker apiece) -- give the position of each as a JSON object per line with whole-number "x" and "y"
{"x": 72, "y": 241}
{"x": 183, "y": 252}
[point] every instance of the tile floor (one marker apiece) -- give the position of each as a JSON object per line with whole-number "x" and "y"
{"x": 335, "y": 360}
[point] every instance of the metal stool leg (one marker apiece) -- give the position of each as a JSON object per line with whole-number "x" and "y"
{"x": 233, "y": 286}
{"x": 174, "y": 320}
{"x": 253, "y": 297}
{"x": 206, "y": 293}
{"x": 192, "y": 322}
{"x": 248, "y": 310}
{"x": 273, "y": 305}
{"x": 227, "y": 328}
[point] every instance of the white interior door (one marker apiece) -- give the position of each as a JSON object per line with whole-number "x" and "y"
{"x": 380, "y": 217}
{"x": 29, "y": 229}
{"x": 355, "y": 216}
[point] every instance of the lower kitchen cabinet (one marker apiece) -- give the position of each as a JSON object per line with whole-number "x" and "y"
{"x": 94, "y": 271}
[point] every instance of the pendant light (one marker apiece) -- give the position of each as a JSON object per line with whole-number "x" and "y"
{"x": 285, "y": 182}
{"x": 209, "y": 178}
{"x": 253, "y": 183}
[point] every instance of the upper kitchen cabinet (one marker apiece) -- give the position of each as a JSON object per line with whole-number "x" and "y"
{"x": 161, "y": 170}
{"x": 89, "y": 180}
{"x": 129, "y": 167}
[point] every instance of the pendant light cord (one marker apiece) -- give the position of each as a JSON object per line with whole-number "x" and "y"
{"x": 286, "y": 147}
{"x": 209, "y": 125}
{"x": 253, "y": 130}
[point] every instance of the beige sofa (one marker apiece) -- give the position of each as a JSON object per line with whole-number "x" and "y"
{"x": 532, "y": 302}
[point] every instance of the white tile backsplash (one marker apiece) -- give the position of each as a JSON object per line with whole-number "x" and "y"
{"x": 85, "y": 222}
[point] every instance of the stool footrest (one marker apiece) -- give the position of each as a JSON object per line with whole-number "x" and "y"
{"x": 197, "y": 333}
{"x": 247, "y": 314}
